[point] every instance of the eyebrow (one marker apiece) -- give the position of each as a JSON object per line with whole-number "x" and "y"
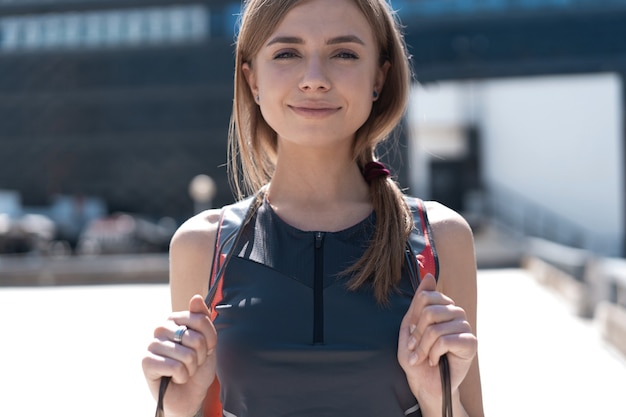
{"x": 333, "y": 41}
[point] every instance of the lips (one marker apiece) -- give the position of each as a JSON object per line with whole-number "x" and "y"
{"x": 316, "y": 110}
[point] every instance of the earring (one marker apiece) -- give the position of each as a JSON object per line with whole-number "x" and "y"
{"x": 375, "y": 94}
{"x": 257, "y": 98}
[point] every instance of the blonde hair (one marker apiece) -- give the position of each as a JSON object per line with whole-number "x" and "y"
{"x": 253, "y": 143}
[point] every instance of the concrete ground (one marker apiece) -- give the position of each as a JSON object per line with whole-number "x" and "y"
{"x": 537, "y": 358}
{"x": 76, "y": 351}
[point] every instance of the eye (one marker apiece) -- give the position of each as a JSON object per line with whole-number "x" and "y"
{"x": 346, "y": 55}
{"x": 285, "y": 55}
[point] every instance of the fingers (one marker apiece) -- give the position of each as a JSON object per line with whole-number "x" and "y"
{"x": 462, "y": 345}
{"x": 197, "y": 305}
{"x": 433, "y": 325}
{"x": 182, "y": 344}
{"x": 200, "y": 333}
{"x": 172, "y": 359}
{"x": 428, "y": 283}
{"x": 426, "y": 294}
{"x": 437, "y": 339}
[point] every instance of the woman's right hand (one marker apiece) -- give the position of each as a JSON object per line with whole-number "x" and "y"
{"x": 191, "y": 363}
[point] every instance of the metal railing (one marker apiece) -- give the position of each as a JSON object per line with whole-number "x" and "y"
{"x": 528, "y": 218}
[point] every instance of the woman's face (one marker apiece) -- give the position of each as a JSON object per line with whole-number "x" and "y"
{"x": 316, "y": 74}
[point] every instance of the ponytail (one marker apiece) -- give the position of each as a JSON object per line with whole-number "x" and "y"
{"x": 382, "y": 262}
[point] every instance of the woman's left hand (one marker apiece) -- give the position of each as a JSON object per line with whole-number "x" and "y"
{"x": 434, "y": 326}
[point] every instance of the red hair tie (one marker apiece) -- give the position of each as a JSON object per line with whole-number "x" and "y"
{"x": 373, "y": 170}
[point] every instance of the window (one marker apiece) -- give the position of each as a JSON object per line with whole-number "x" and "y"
{"x": 110, "y": 28}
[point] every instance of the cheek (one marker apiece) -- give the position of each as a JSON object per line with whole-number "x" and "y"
{"x": 275, "y": 79}
{"x": 362, "y": 94}
{"x": 270, "y": 104}
{"x": 361, "y": 84}
{"x": 270, "y": 91}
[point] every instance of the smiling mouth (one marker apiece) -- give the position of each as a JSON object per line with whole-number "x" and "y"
{"x": 314, "y": 112}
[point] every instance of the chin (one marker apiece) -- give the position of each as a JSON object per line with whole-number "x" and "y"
{"x": 321, "y": 138}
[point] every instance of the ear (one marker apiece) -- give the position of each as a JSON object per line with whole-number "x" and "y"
{"x": 381, "y": 76}
{"x": 250, "y": 77}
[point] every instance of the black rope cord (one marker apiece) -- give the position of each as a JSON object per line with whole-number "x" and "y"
{"x": 446, "y": 388}
{"x": 165, "y": 380}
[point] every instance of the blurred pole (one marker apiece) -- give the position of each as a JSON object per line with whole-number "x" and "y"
{"x": 202, "y": 190}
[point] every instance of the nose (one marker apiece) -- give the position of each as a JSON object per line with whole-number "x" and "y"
{"x": 315, "y": 77}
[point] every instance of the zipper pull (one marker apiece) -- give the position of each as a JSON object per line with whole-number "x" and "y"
{"x": 319, "y": 237}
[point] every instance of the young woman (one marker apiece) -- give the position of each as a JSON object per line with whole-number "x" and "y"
{"x": 317, "y": 313}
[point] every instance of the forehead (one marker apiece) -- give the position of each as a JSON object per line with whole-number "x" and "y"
{"x": 325, "y": 19}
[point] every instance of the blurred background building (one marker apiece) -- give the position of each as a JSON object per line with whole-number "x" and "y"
{"x": 520, "y": 114}
{"x": 114, "y": 106}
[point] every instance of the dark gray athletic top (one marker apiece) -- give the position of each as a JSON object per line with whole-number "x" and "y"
{"x": 294, "y": 341}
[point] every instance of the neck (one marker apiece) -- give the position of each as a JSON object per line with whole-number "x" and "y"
{"x": 319, "y": 190}
{"x": 318, "y": 178}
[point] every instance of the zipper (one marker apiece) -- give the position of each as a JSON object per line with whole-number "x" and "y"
{"x": 318, "y": 290}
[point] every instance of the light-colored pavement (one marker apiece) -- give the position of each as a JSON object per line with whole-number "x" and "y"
{"x": 537, "y": 358}
{"x": 76, "y": 351}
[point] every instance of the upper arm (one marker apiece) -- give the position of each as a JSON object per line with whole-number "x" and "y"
{"x": 454, "y": 243}
{"x": 191, "y": 256}
{"x": 457, "y": 279}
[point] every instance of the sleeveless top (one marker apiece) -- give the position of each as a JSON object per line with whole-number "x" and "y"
{"x": 292, "y": 339}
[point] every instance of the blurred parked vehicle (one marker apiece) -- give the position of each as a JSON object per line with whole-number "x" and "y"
{"x": 125, "y": 233}
{"x": 50, "y": 230}
{"x": 27, "y": 233}
{"x": 72, "y": 214}
{"x": 77, "y": 224}
{"x": 22, "y": 232}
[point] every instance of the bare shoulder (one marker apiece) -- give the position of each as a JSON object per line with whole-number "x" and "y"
{"x": 191, "y": 255}
{"x": 197, "y": 231}
{"x": 446, "y": 223}
{"x": 454, "y": 242}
